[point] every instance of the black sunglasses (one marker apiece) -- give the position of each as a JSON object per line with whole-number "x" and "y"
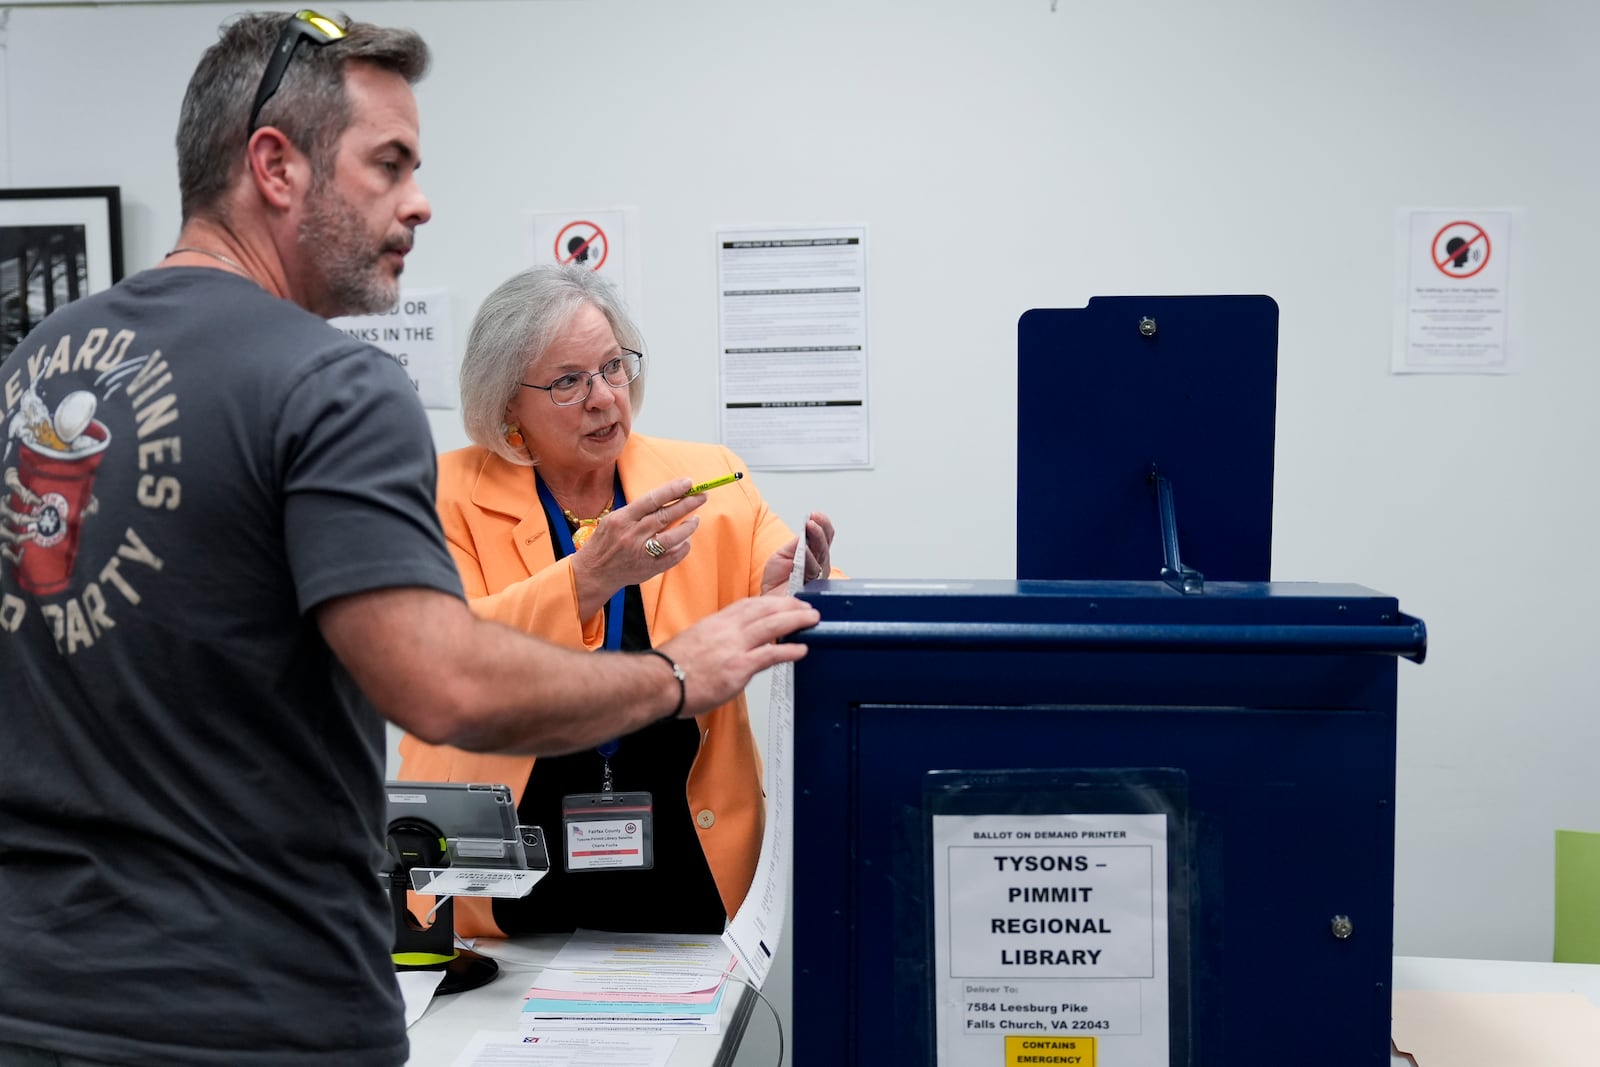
{"x": 303, "y": 26}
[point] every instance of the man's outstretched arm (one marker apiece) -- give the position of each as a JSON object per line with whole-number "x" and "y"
{"x": 443, "y": 675}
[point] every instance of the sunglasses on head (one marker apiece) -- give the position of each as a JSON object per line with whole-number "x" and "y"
{"x": 305, "y": 25}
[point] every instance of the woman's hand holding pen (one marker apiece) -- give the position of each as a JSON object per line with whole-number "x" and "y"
{"x": 635, "y": 543}
{"x": 819, "y": 546}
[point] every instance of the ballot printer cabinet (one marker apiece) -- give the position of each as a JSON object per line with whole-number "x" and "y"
{"x": 1273, "y": 702}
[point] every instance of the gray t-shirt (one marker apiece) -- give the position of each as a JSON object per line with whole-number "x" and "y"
{"x": 192, "y": 810}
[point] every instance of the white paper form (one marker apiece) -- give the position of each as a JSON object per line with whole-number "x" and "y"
{"x": 417, "y": 989}
{"x": 792, "y": 333}
{"x": 612, "y": 964}
{"x": 493, "y": 1048}
{"x": 753, "y": 933}
{"x": 663, "y": 983}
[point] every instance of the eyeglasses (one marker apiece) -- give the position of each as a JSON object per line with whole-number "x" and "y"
{"x": 303, "y": 26}
{"x": 575, "y": 388}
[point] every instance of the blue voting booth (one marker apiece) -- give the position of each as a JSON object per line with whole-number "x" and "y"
{"x": 1136, "y": 806}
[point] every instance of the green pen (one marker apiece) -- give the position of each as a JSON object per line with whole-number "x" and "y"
{"x": 726, "y": 479}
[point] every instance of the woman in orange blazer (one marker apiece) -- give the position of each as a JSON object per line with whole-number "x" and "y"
{"x": 552, "y": 375}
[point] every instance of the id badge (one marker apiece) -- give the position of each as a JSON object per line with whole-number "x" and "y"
{"x": 608, "y": 831}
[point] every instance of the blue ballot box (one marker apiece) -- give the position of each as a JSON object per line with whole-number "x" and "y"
{"x": 1254, "y": 723}
{"x": 1135, "y": 809}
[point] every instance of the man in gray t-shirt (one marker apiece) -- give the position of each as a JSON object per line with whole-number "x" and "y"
{"x": 220, "y": 569}
{"x": 178, "y": 710}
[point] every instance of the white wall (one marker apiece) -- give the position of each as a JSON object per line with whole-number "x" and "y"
{"x": 1007, "y": 156}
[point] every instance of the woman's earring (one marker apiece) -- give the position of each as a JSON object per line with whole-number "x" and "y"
{"x": 514, "y": 436}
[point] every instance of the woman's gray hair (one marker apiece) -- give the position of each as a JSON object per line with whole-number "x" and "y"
{"x": 514, "y": 326}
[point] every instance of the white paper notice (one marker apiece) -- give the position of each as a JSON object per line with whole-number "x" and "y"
{"x": 417, "y": 989}
{"x": 656, "y": 966}
{"x": 489, "y": 1048}
{"x": 753, "y": 933}
{"x": 416, "y": 332}
{"x": 792, "y": 332}
{"x": 1050, "y": 939}
{"x": 1455, "y": 311}
{"x": 593, "y": 239}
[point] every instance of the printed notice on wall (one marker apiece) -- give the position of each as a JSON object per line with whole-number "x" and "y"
{"x": 1456, "y": 295}
{"x": 792, "y": 333}
{"x": 594, "y": 239}
{"x": 1050, "y": 939}
{"x": 416, "y": 332}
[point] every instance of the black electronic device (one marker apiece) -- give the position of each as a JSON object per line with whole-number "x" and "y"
{"x": 437, "y": 829}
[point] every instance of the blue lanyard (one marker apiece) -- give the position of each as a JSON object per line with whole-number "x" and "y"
{"x": 614, "y": 607}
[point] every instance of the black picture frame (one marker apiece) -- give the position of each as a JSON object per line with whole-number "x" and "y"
{"x": 56, "y": 245}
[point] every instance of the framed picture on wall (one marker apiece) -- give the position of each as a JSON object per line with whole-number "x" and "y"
{"x": 55, "y": 246}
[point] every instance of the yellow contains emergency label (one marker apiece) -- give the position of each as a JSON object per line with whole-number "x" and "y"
{"x": 1055, "y": 1051}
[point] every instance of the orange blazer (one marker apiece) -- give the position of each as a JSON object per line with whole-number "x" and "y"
{"x": 497, "y": 533}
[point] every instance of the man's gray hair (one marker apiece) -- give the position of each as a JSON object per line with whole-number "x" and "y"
{"x": 310, "y": 106}
{"x": 514, "y": 326}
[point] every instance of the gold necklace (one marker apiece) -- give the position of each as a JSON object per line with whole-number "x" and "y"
{"x": 214, "y": 255}
{"x": 583, "y": 529}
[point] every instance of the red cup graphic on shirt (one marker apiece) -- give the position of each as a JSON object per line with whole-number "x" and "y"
{"x": 62, "y": 481}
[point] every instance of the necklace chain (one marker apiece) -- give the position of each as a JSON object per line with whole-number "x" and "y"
{"x": 574, "y": 520}
{"x": 235, "y": 264}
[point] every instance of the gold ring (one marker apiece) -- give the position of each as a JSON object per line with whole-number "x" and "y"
{"x": 655, "y": 548}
